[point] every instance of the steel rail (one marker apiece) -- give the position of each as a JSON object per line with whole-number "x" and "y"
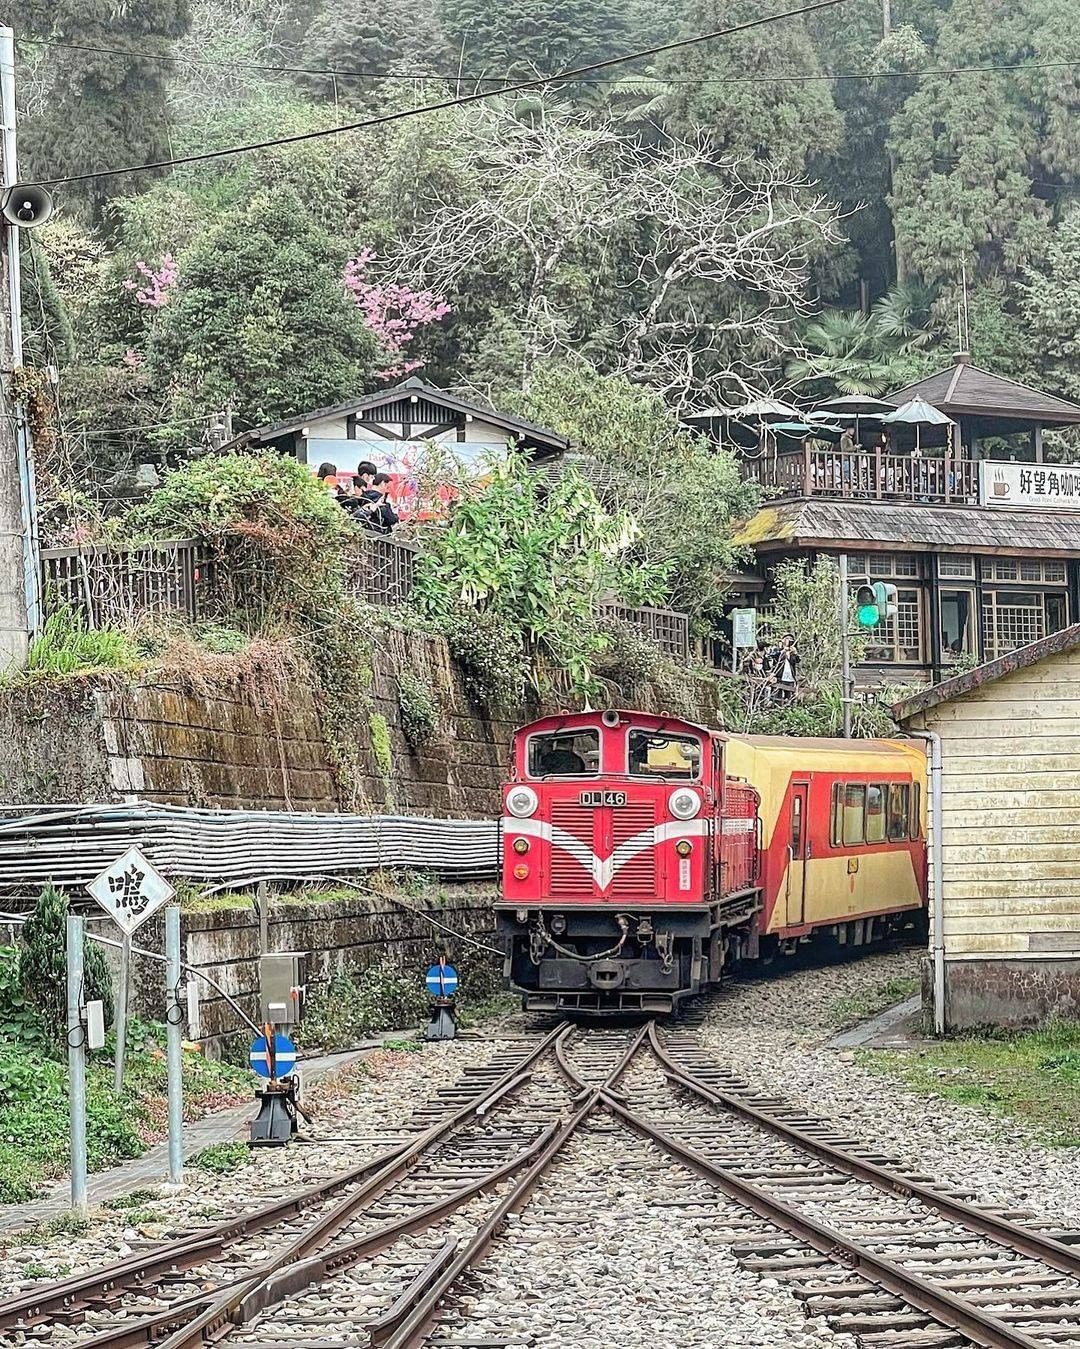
{"x": 1047, "y": 1250}
{"x": 413, "y": 1322}
{"x": 215, "y": 1317}
{"x": 253, "y": 1297}
{"x": 945, "y": 1307}
{"x": 66, "y": 1294}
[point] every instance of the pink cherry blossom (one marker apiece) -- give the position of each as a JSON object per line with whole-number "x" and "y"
{"x": 393, "y": 312}
{"x": 157, "y": 283}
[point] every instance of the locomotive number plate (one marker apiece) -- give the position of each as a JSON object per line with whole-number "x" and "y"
{"x": 599, "y": 798}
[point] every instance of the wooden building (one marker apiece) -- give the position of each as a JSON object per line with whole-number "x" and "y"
{"x": 979, "y": 535}
{"x": 1005, "y": 847}
{"x": 371, "y": 426}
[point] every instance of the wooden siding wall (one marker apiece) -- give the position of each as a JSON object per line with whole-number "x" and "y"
{"x": 1011, "y": 813}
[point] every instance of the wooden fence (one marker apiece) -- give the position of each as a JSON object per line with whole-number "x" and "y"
{"x": 668, "y": 628}
{"x": 116, "y": 585}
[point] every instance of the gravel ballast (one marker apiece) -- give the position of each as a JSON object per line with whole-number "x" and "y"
{"x": 774, "y": 1032}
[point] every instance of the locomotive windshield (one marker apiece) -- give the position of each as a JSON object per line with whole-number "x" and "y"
{"x": 655, "y": 754}
{"x": 564, "y": 754}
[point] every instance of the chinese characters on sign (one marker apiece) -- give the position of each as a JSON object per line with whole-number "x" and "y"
{"x": 1037, "y": 486}
{"x": 131, "y": 890}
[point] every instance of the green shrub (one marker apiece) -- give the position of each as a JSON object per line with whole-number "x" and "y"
{"x": 355, "y": 1004}
{"x": 43, "y": 966}
{"x": 66, "y": 646}
{"x": 18, "y": 1020}
{"x": 419, "y": 710}
{"x": 491, "y": 657}
{"x": 222, "y": 1158}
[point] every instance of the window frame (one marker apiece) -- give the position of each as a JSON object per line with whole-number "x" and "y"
{"x": 685, "y": 736}
{"x": 861, "y": 809}
{"x": 882, "y": 788}
{"x": 905, "y": 818}
{"x": 544, "y": 735}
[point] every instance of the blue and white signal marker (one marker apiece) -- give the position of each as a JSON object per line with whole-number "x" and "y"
{"x": 441, "y": 981}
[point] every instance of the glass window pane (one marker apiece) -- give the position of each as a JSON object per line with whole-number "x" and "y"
{"x": 854, "y": 800}
{"x": 837, "y": 814}
{"x": 875, "y": 814}
{"x": 916, "y": 810}
{"x": 660, "y": 755}
{"x": 899, "y": 811}
{"x": 564, "y": 754}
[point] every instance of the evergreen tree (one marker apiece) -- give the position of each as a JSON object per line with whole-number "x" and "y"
{"x": 99, "y": 109}
{"x": 737, "y": 90}
{"x": 1051, "y": 307}
{"x": 395, "y": 35}
{"x": 260, "y": 318}
{"x": 519, "y": 36}
{"x": 47, "y": 335}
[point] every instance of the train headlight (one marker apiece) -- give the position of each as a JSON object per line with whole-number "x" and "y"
{"x": 684, "y": 803}
{"x": 522, "y": 802}
{"x": 521, "y": 845}
{"x": 684, "y": 847}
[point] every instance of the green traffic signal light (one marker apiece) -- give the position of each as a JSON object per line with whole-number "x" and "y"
{"x": 867, "y": 615}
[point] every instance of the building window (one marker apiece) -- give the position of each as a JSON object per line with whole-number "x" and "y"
{"x": 1026, "y": 571}
{"x": 957, "y": 568}
{"x": 884, "y": 566}
{"x": 1011, "y": 619}
{"x": 900, "y": 642}
{"x": 957, "y": 608}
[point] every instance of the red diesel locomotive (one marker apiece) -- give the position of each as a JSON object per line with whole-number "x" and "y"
{"x": 642, "y": 854}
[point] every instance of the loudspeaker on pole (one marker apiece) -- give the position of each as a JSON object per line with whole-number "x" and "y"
{"x": 26, "y": 205}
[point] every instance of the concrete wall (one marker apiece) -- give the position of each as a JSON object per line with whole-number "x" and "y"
{"x": 1010, "y": 994}
{"x": 351, "y": 934}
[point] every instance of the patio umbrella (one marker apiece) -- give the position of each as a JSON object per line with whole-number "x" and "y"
{"x": 806, "y": 428}
{"x": 854, "y": 407}
{"x": 918, "y": 413}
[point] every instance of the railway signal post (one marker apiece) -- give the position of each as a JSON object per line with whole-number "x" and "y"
{"x": 441, "y": 981}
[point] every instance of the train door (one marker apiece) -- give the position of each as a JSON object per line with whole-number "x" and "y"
{"x": 798, "y": 851}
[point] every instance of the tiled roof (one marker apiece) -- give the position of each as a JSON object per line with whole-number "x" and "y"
{"x": 931, "y": 528}
{"x": 964, "y": 389}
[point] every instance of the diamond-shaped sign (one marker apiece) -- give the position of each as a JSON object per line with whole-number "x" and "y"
{"x": 131, "y": 890}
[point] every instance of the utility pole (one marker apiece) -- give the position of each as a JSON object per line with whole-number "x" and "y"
{"x": 845, "y": 648}
{"x": 76, "y": 1048}
{"x": 20, "y": 589}
{"x": 174, "y": 1032}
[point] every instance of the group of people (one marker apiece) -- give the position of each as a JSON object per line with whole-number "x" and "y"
{"x": 364, "y": 495}
{"x": 774, "y": 669}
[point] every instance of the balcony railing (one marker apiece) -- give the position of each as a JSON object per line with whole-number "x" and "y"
{"x": 384, "y": 568}
{"x": 869, "y": 474}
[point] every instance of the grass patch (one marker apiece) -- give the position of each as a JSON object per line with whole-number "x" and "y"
{"x": 65, "y": 645}
{"x": 222, "y": 1158}
{"x": 1033, "y": 1077}
{"x": 34, "y": 1108}
{"x": 860, "y": 1006}
{"x": 492, "y": 1008}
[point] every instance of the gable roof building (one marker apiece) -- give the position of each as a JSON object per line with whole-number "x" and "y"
{"x": 407, "y": 412}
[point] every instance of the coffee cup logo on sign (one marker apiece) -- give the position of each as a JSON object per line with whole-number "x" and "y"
{"x": 1001, "y": 484}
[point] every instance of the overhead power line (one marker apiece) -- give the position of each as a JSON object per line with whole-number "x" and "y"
{"x": 462, "y": 100}
{"x": 464, "y": 77}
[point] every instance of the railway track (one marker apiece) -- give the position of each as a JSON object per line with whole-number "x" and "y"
{"x": 396, "y": 1253}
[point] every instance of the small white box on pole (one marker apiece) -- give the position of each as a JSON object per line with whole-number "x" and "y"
{"x": 95, "y": 1025}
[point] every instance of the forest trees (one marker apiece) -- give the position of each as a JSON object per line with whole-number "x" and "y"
{"x": 671, "y": 268}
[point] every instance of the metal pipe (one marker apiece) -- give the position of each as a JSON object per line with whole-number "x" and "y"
{"x": 76, "y": 1039}
{"x": 937, "y": 878}
{"x": 121, "y": 1019}
{"x": 174, "y": 1016}
{"x": 845, "y": 648}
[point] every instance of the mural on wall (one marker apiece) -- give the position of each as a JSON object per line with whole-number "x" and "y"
{"x": 425, "y": 475}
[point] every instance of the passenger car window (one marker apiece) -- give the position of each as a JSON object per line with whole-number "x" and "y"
{"x": 837, "y": 832}
{"x": 916, "y": 810}
{"x": 854, "y": 802}
{"x": 899, "y": 811}
{"x": 563, "y": 754}
{"x": 657, "y": 754}
{"x": 875, "y": 814}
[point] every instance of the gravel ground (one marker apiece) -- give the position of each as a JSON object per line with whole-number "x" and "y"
{"x": 773, "y": 1033}
{"x": 365, "y": 1106}
{"x": 613, "y": 1249}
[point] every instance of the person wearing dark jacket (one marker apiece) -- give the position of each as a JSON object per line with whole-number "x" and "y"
{"x": 374, "y": 509}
